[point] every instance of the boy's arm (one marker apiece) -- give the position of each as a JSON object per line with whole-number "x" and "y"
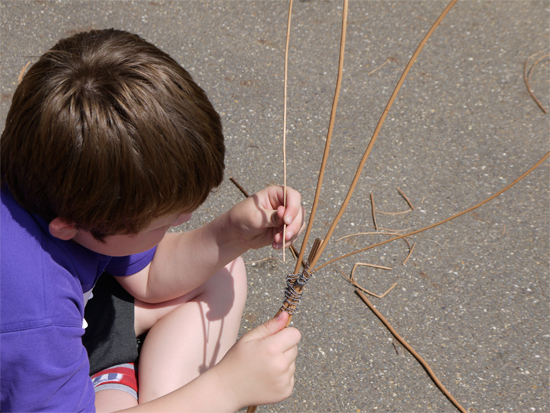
{"x": 258, "y": 369}
{"x": 184, "y": 261}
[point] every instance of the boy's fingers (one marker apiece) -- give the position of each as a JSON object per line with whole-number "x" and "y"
{"x": 286, "y": 340}
{"x": 293, "y": 206}
{"x": 268, "y": 328}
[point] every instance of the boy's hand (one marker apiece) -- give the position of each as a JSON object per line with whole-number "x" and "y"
{"x": 259, "y": 368}
{"x": 258, "y": 220}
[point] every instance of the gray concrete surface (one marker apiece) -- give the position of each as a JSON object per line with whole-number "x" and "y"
{"x": 473, "y": 297}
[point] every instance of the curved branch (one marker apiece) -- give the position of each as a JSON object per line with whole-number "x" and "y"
{"x": 445, "y": 220}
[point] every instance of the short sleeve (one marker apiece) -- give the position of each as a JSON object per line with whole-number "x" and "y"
{"x": 131, "y": 264}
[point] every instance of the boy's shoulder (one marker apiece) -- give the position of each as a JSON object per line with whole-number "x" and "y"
{"x": 37, "y": 272}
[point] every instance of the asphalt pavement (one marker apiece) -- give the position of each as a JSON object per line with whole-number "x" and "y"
{"x": 472, "y": 298}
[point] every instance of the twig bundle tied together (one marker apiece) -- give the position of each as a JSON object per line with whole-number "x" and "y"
{"x": 293, "y": 291}
{"x": 295, "y": 283}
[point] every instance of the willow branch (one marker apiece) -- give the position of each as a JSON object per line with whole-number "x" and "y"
{"x": 445, "y": 220}
{"x": 329, "y": 136}
{"x": 377, "y": 131}
{"x": 284, "y": 119}
{"x": 411, "y": 350}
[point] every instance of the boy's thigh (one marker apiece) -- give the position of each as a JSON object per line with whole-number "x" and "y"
{"x": 221, "y": 288}
{"x": 110, "y": 338}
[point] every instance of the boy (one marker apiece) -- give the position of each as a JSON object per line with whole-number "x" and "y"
{"x": 108, "y": 143}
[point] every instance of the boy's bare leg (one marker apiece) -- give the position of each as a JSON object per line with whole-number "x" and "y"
{"x": 189, "y": 335}
{"x": 107, "y": 401}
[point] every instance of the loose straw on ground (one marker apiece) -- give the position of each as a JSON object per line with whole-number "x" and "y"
{"x": 410, "y": 349}
{"x": 373, "y": 211}
{"x": 284, "y": 119}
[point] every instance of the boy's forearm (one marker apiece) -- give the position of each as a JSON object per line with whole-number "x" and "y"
{"x": 184, "y": 261}
{"x": 207, "y": 393}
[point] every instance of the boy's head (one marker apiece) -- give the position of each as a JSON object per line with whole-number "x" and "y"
{"x": 108, "y": 132}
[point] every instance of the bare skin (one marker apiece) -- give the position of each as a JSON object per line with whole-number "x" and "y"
{"x": 190, "y": 298}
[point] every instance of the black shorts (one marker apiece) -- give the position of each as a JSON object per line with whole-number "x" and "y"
{"x": 110, "y": 337}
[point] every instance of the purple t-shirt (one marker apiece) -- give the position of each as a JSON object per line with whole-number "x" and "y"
{"x": 43, "y": 364}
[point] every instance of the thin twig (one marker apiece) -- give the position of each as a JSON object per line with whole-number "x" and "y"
{"x": 379, "y": 67}
{"x": 413, "y": 353}
{"x": 364, "y": 264}
{"x": 284, "y": 120}
{"x": 367, "y": 233}
{"x": 262, "y": 260}
{"x": 239, "y": 186}
{"x": 393, "y": 344}
{"x": 353, "y": 282}
{"x": 527, "y": 78}
{"x": 394, "y": 213}
{"x": 373, "y": 211}
{"x": 410, "y": 252}
{"x": 396, "y": 231}
{"x": 341, "y": 273}
{"x": 399, "y": 212}
{"x": 405, "y": 197}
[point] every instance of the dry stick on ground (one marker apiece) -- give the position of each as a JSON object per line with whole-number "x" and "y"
{"x": 373, "y": 211}
{"x": 356, "y": 285}
{"x": 239, "y": 186}
{"x": 527, "y": 78}
{"x": 405, "y": 197}
{"x": 410, "y": 349}
{"x": 391, "y": 234}
{"x": 262, "y": 260}
{"x": 379, "y": 67}
{"x": 284, "y": 118}
{"x": 411, "y": 249}
{"x": 394, "y": 213}
{"x": 411, "y": 208}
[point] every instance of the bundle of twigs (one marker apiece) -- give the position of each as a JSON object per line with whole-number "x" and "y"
{"x": 297, "y": 280}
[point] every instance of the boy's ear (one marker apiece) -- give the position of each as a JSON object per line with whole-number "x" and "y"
{"x": 62, "y": 229}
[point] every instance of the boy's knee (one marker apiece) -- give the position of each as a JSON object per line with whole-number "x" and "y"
{"x": 238, "y": 272}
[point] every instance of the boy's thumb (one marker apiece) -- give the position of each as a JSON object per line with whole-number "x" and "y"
{"x": 270, "y": 327}
{"x": 274, "y": 219}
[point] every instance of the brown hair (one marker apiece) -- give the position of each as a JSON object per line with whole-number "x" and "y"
{"x": 109, "y": 132}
